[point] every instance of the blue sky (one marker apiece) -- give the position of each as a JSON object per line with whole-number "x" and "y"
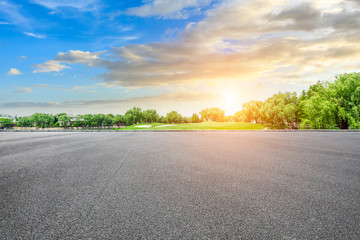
{"x": 107, "y": 56}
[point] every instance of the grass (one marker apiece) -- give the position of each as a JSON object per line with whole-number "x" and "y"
{"x": 197, "y": 126}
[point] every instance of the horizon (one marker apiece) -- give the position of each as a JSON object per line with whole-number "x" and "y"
{"x": 97, "y": 56}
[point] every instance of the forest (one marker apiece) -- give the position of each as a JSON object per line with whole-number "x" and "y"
{"x": 325, "y": 105}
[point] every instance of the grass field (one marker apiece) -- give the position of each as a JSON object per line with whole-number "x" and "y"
{"x": 197, "y": 126}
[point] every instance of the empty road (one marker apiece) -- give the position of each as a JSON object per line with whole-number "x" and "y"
{"x": 188, "y": 185}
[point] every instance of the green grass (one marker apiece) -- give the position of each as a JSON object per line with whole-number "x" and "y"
{"x": 198, "y": 126}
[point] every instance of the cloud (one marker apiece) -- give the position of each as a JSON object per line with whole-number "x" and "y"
{"x": 73, "y": 56}
{"x": 269, "y": 40}
{"x": 23, "y": 90}
{"x": 89, "y": 89}
{"x": 77, "y": 56}
{"x": 35, "y": 35}
{"x": 11, "y": 13}
{"x": 30, "y": 88}
{"x": 301, "y": 17}
{"x": 174, "y": 97}
{"x": 29, "y": 104}
{"x": 189, "y": 96}
{"x": 354, "y": 1}
{"x": 176, "y": 9}
{"x": 49, "y": 66}
{"x": 46, "y": 86}
{"x": 14, "y": 71}
{"x": 81, "y": 5}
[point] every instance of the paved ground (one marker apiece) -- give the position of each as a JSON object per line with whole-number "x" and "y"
{"x": 180, "y": 185}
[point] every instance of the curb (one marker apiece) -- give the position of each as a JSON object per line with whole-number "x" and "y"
{"x": 148, "y": 130}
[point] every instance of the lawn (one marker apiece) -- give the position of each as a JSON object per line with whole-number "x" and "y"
{"x": 197, "y": 126}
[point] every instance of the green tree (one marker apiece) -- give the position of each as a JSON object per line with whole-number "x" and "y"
{"x": 25, "y": 121}
{"x": 195, "y": 118}
{"x": 150, "y": 116}
{"x": 239, "y": 116}
{"x": 217, "y": 115}
{"x": 345, "y": 92}
{"x": 42, "y": 119}
{"x": 63, "y": 120}
{"x": 173, "y": 117}
{"x": 318, "y": 112}
{"x": 85, "y": 120}
{"x": 252, "y": 111}
{"x": 213, "y": 114}
{"x": 281, "y": 109}
{"x": 6, "y": 122}
{"x": 118, "y": 120}
{"x": 133, "y": 116}
{"x": 205, "y": 114}
{"x": 162, "y": 119}
{"x": 108, "y": 119}
{"x": 332, "y": 104}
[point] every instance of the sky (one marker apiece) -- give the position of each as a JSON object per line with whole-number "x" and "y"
{"x": 93, "y": 56}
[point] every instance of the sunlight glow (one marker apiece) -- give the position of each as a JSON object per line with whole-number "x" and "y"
{"x": 230, "y": 102}
{"x": 230, "y": 98}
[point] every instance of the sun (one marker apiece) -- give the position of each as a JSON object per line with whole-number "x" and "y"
{"x": 230, "y": 98}
{"x": 230, "y": 102}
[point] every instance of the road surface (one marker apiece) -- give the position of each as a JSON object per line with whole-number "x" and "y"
{"x": 188, "y": 185}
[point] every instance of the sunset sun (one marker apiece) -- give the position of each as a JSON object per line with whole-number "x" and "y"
{"x": 230, "y": 102}
{"x": 230, "y": 98}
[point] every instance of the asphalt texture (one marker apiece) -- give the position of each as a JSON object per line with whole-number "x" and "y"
{"x": 133, "y": 185}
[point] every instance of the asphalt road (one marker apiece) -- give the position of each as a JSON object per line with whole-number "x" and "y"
{"x": 192, "y": 185}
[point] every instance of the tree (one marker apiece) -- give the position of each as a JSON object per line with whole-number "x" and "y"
{"x": 150, "y": 116}
{"x": 85, "y": 120}
{"x": 133, "y": 116}
{"x": 217, "y": 115}
{"x": 239, "y": 116}
{"x": 195, "y": 118}
{"x": 281, "y": 109}
{"x": 25, "y": 121}
{"x": 42, "y": 119}
{"x": 345, "y": 92}
{"x": 98, "y": 120}
{"x": 205, "y": 114}
{"x": 332, "y": 104}
{"x": 108, "y": 119}
{"x": 318, "y": 112}
{"x": 213, "y": 114}
{"x": 252, "y": 111}
{"x": 162, "y": 119}
{"x": 118, "y": 120}
{"x": 64, "y": 120}
{"x": 173, "y": 117}
{"x": 6, "y": 122}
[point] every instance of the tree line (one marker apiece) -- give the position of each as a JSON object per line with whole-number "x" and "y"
{"x": 131, "y": 116}
{"x": 325, "y": 105}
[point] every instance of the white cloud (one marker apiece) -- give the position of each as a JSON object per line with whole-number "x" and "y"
{"x": 14, "y": 71}
{"x": 166, "y": 8}
{"x": 49, "y": 66}
{"x": 11, "y": 13}
{"x": 23, "y": 90}
{"x": 77, "y": 56}
{"x": 171, "y": 97}
{"x": 81, "y": 5}
{"x": 90, "y": 89}
{"x": 240, "y": 41}
{"x": 35, "y": 35}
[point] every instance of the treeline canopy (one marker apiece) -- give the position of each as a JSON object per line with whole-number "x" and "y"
{"x": 325, "y": 105}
